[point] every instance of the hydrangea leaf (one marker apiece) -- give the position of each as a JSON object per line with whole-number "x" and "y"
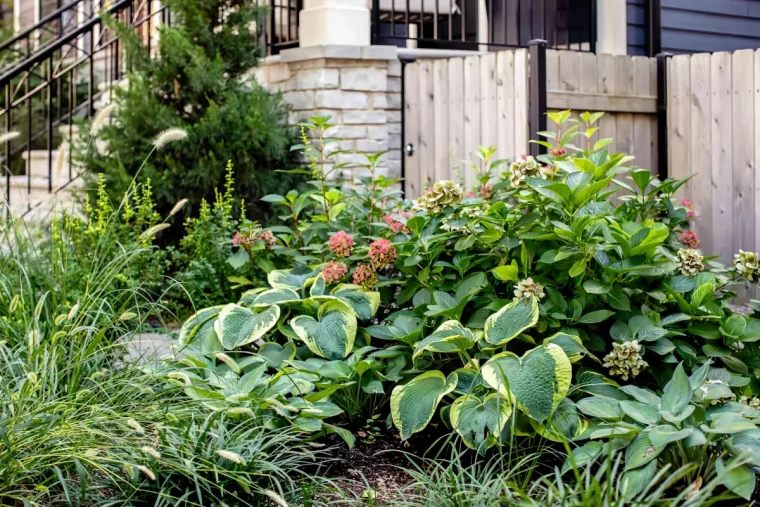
{"x": 413, "y": 404}
{"x": 332, "y": 334}
{"x": 450, "y": 337}
{"x": 479, "y": 422}
{"x": 238, "y": 325}
{"x": 510, "y": 321}
{"x": 539, "y": 380}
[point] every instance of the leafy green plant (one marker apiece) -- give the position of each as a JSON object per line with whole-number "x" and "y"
{"x": 696, "y": 421}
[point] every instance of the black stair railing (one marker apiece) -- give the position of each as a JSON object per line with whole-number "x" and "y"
{"x": 59, "y": 82}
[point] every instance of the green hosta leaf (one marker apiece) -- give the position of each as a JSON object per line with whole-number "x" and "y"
{"x": 745, "y": 445}
{"x": 343, "y": 433}
{"x": 238, "y": 325}
{"x": 582, "y": 456}
{"x": 276, "y": 354}
{"x": 269, "y": 297}
{"x": 729, "y": 425}
{"x": 363, "y": 302}
{"x": 641, "y": 395}
{"x": 413, "y": 404}
{"x": 450, "y": 337}
{"x": 677, "y": 393}
{"x": 604, "y": 408}
{"x": 539, "y": 380}
{"x": 290, "y": 278}
{"x": 640, "y": 452}
{"x": 738, "y": 478}
{"x": 564, "y": 424}
{"x": 479, "y": 423}
{"x": 510, "y": 321}
{"x": 332, "y": 334}
{"x": 664, "y": 434}
{"x": 637, "y": 480}
{"x": 643, "y": 413}
{"x": 198, "y": 321}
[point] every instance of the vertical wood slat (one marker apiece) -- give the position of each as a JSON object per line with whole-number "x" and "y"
{"x": 488, "y": 112}
{"x": 427, "y": 120}
{"x": 642, "y": 126}
{"x": 757, "y": 153}
{"x": 700, "y": 146}
{"x": 679, "y": 120}
{"x": 721, "y": 157}
{"x": 522, "y": 134}
{"x": 456, "y": 116}
{"x": 505, "y": 104}
{"x": 606, "y": 84}
{"x": 743, "y": 84}
{"x": 471, "y": 114}
{"x": 588, "y": 82}
{"x": 441, "y": 170}
{"x": 411, "y": 129}
{"x": 624, "y": 85}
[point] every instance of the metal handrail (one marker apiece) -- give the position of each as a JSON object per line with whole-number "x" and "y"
{"x": 45, "y": 20}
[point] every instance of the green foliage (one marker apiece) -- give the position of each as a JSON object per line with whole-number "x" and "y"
{"x": 201, "y": 83}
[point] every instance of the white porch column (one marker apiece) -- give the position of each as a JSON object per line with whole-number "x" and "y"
{"x": 612, "y": 27}
{"x": 334, "y": 22}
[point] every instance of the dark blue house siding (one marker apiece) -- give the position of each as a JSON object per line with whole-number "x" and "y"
{"x": 691, "y": 26}
{"x": 636, "y": 15}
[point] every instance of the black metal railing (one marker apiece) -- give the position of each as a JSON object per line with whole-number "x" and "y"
{"x": 471, "y": 24}
{"x": 280, "y": 29}
{"x": 56, "y": 84}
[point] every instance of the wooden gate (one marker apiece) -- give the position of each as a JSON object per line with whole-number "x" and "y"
{"x": 454, "y": 105}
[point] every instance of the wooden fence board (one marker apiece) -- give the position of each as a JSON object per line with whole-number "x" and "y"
{"x": 522, "y": 135}
{"x": 412, "y": 128}
{"x": 456, "y": 117}
{"x": 441, "y": 119}
{"x": 721, "y": 157}
{"x": 700, "y": 146}
{"x": 679, "y": 120}
{"x": 505, "y": 103}
{"x": 489, "y": 114}
{"x": 471, "y": 114}
{"x": 642, "y": 125}
{"x": 427, "y": 120}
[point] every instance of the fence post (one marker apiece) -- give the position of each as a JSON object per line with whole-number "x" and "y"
{"x": 654, "y": 27}
{"x": 662, "y": 114}
{"x": 537, "y": 105}
{"x": 375, "y": 28}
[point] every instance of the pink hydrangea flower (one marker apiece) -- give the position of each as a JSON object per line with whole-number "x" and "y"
{"x": 334, "y": 271}
{"x": 395, "y": 225}
{"x": 690, "y": 239}
{"x": 485, "y": 191}
{"x": 686, "y": 203}
{"x": 470, "y": 194}
{"x": 691, "y": 214}
{"x": 340, "y": 244}
{"x": 382, "y": 254}
{"x": 365, "y": 276}
{"x": 268, "y": 239}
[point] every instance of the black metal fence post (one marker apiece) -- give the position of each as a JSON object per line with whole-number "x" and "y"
{"x": 662, "y": 114}
{"x": 375, "y": 28}
{"x": 654, "y": 27}
{"x": 537, "y": 83}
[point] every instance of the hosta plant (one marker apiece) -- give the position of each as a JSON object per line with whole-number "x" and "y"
{"x": 696, "y": 420}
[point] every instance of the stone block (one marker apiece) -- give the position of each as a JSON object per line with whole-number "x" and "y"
{"x": 379, "y": 101}
{"x": 364, "y": 79}
{"x": 348, "y": 132}
{"x": 377, "y": 132}
{"x": 369, "y": 146}
{"x": 360, "y": 116}
{"x": 340, "y": 99}
{"x": 299, "y": 100}
{"x": 317, "y": 79}
{"x": 394, "y": 100}
{"x": 393, "y": 116}
{"x": 394, "y": 69}
{"x": 394, "y": 84}
{"x": 394, "y": 128}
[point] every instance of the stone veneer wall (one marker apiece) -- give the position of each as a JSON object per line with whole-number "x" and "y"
{"x": 358, "y": 87}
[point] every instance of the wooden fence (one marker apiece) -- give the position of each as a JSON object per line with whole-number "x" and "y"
{"x": 714, "y": 135}
{"x": 624, "y": 87}
{"x": 454, "y": 105}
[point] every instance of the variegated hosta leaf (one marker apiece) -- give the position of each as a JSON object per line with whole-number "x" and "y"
{"x": 571, "y": 344}
{"x": 450, "y": 337}
{"x": 237, "y": 325}
{"x": 510, "y": 321}
{"x": 479, "y": 422}
{"x": 196, "y": 322}
{"x": 295, "y": 278}
{"x": 318, "y": 286}
{"x": 539, "y": 380}
{"x": 363, "y": 302}
{"x": 269, "y": 297}
{"x": 413, "y": 404}
{"x": 565, "y": 423}
{"x": 332, "y": 334}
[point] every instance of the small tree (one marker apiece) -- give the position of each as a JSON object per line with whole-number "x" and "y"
{"x": 201, "y": 82}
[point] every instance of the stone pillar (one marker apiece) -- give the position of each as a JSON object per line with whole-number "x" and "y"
{"x": 612, "y": 27}
{"x": 359, "y": 88}
{"x": 343, "y": 22}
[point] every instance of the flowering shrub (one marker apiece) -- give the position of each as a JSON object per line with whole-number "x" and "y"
{"x": 491, "y": 314}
